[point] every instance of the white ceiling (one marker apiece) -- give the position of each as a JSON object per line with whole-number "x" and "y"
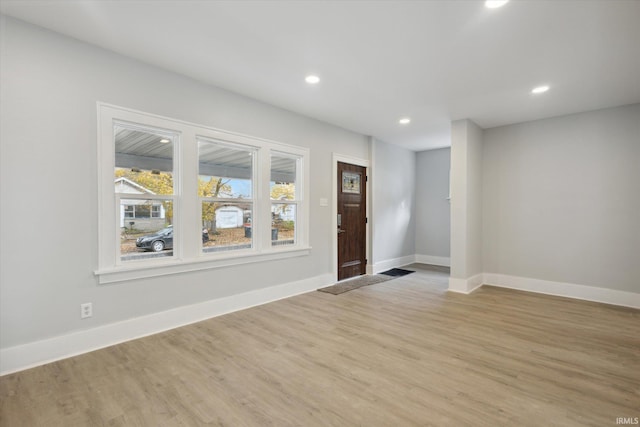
{"x": 434, "y": 61}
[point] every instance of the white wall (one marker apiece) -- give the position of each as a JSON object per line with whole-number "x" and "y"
{"x": 433, "y": 211}
{"x": 562, "y": 199}
{"x": 393, "y": 205}
{"x": 49, "y": 250}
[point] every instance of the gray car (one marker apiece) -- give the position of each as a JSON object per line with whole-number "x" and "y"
{"x": 162, "y": 239}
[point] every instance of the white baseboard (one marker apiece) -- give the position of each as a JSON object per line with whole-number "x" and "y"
{"x": 570, "y": 290}
{"x": 465, "y": 286}
{"x": 405, "y": 260}
{"x": 37, "y": 353}
{"x": 434, "y": 260}
{"x": 391, "y": 263}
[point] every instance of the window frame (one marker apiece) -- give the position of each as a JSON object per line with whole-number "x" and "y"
{"x": 297, "y": 201}
{"x": 133, "y": 212}
{"x": 175, "y": 137}
{"x": 188, "y": 254}
{"x": 229, "y": 200}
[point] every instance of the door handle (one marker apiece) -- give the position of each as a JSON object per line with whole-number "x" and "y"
{"x": 341, "y": 231}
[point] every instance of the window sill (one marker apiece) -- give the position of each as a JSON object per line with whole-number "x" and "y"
{"x": 155, "y": 269}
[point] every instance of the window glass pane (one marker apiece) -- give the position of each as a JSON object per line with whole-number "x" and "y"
{"x": 283, "y": 177}
{"x": 224, "y": 171}
{"x": 283, "y": 224}
{"x": 143, "y": 211}
{"x": 144, "y": 161}
{"x": 143, "y": 236}
{"x": 283, "y": 188}
{"x": 226, "y": 226}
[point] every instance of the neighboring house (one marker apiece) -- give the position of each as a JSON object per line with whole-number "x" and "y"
{"x": 229, "y": 217}
{"x": 145, "y": 215}
{"x": 284, "y": 211}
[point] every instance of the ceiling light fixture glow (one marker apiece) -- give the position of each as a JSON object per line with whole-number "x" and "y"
{"x": 165, "y": 141}
{"x": 312, "y": 79}
{"x": 404, "y": 121}
{"x": 493, "y": 4}
{"x": 539, "y": 89}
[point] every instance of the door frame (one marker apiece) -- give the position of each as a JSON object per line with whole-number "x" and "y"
{"x": 336, "y": 157}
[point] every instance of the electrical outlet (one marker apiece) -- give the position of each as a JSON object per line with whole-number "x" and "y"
{"x": 86, "y": 310}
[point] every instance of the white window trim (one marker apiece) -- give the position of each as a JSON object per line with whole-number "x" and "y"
{"x": 188, "y": 255}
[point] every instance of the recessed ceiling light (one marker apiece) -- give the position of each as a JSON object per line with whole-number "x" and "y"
{"x": 539, "y": 89}
{"x": 404, "y": 121}
{"x": 312, "y": 79}
{"x": 493, "y": 4}
{"x": 165, "y": 141}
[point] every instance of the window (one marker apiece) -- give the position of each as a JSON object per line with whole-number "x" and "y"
{"x": 142, "y": 210}
{"x": 225, "y": 188}
{"x": 176, "y": 197}
{"x": 144, "y": 186}
{"x": 284, "y": 198}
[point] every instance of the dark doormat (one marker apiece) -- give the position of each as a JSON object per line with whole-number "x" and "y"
{"x": 349, "y": 285}
{"x": 397, "y": 272}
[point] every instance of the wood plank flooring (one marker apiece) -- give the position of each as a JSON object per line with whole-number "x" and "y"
{"x": 399, "y": 353}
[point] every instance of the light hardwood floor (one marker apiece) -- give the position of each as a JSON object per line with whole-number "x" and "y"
{"x": 399, "y": 353}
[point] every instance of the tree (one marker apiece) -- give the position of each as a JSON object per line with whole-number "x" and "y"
{"x": 162, "y": 183}
{"x": 282, "y": 191}
{"x": 214, "y": 187}
{"x": 158, "y": 182}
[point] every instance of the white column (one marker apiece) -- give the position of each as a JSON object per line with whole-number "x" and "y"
{"x": 466, "y": 206}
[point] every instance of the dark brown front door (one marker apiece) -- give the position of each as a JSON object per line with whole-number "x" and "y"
{"x": 352, "y": 220}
